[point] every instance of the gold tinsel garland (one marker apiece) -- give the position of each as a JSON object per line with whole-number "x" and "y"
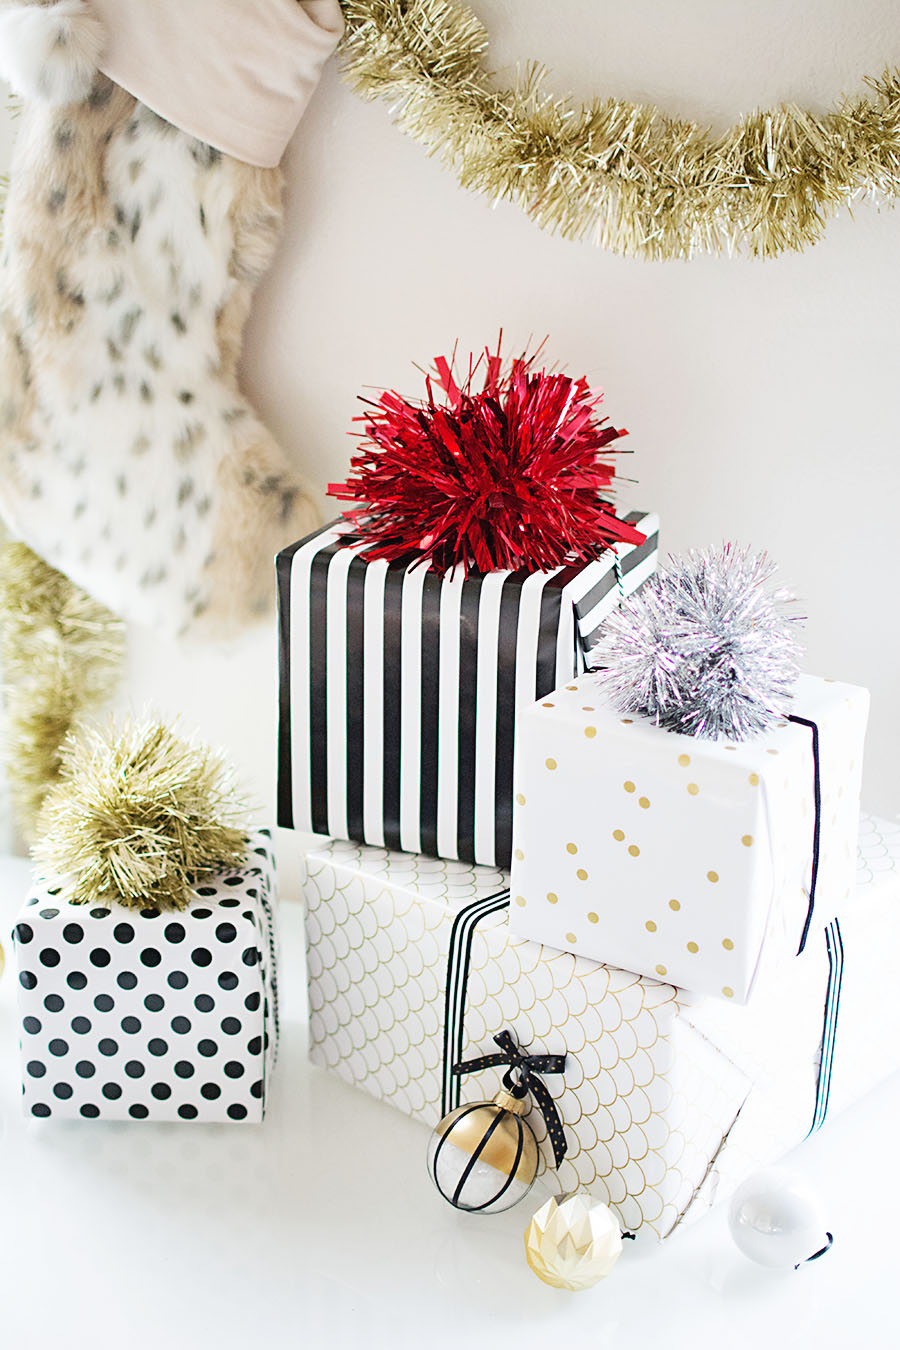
{"x": 60, "y": 653}
{"x": 623, "y": 174}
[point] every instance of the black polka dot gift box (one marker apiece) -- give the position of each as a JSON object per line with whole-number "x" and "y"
{"x": 137, "y": 1014}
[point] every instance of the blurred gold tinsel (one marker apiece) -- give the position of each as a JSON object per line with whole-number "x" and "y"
{"x": 61, "y": 654}
{"x": 622, "y": 174}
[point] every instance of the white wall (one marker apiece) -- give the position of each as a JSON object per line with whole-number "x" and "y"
{"x": 762, "y": 399}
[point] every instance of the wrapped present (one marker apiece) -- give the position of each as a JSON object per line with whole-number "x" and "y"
{"x": 136, "y": 1014}
{"x": 678, "y": 857}
{"x": 667, "y": 1099}
{"x": 400, "y": 687}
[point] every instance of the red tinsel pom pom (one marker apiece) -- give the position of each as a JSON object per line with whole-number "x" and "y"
{"x": 508, "y": 475}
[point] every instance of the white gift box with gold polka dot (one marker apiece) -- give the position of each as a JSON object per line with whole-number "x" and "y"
{"x": 668, "y": 1099}
{"x": 680, "y": 857}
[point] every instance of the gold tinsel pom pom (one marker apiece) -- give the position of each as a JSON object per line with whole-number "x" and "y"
{"x": 139, "y": 816}
{"x": 61, "y": 653}
{"x": 573, "y": 1245}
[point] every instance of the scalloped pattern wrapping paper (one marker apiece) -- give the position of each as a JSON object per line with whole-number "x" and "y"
{"x": 668, "y": 1099}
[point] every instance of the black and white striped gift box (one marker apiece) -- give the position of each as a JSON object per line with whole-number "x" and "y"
{"x": 399, "y": 688}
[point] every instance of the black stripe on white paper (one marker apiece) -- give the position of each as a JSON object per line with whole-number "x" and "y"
{"x": 375, "y": 587}
{"x": 294, "y": 684}
{"x": 629, "y": 557}
{"x": 467, "y": 728}
{"x": 636, "y": 564}
{"x": 391, "y": 686}
{"x": 408, "y": 660}
{"x": 494, "y": 598}
{"x": 358, "y": 656}
{"x": 498, "y": 833}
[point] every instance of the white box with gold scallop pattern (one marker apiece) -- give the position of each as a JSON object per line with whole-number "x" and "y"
{"x": 678, "y": 857}
{"x": 668, "y": 1099}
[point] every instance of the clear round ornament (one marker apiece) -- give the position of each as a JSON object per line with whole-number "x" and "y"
{"x": 777, "y": 1220}
{"x": 484, "y": 1158}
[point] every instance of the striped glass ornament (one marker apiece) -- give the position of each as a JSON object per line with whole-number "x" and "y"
{"x": 484, "y": 1157}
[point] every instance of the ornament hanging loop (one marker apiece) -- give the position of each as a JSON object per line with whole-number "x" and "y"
{"x": 527, "y": 1069}
{"x": 515, "y": 1083}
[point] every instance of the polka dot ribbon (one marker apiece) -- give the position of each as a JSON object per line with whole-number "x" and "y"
{"x": 522, "y": 1077}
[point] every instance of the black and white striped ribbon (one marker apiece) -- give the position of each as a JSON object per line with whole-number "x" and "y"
{"x": 459, "y": 956}
{"x": 834, "y": 945}
{"x": 399, "y": 688}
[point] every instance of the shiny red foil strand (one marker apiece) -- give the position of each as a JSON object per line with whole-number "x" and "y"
{"x": 505, "y": 476}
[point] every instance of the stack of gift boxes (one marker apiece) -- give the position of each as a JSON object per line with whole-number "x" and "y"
{"x": 508, "y": 852}
{"x": 702, "y": 928}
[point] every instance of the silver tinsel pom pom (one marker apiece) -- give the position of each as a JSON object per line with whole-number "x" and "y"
{"x": 707, "y": 648}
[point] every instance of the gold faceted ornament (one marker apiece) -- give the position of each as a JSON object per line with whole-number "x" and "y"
{"x": 573, "y": 1245}
{"x": 484, "y": 1158}
{"x": 2, "y": 961}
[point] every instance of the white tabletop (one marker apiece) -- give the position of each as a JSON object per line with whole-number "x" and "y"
{"x": 321, "y": 1228}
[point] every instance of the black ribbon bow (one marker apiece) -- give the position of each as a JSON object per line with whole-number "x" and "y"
{"x": 526, "y": 1067}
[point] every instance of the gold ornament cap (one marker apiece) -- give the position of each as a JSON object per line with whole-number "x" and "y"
{"x": 507, "y": 1101}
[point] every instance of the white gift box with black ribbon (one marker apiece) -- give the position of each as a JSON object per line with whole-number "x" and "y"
{"x": 400, "y": 687}
{"x": 668, "y": 1099}
{"x": 679, "y": 857}
{"x": 136, "y": 1014}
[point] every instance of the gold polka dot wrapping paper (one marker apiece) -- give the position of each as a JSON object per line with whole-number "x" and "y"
{"x": 668, "y": 1099}
{"x": 682, "y": 858}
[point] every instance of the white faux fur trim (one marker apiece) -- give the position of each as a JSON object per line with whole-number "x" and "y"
{"x": 50, "y": 52}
